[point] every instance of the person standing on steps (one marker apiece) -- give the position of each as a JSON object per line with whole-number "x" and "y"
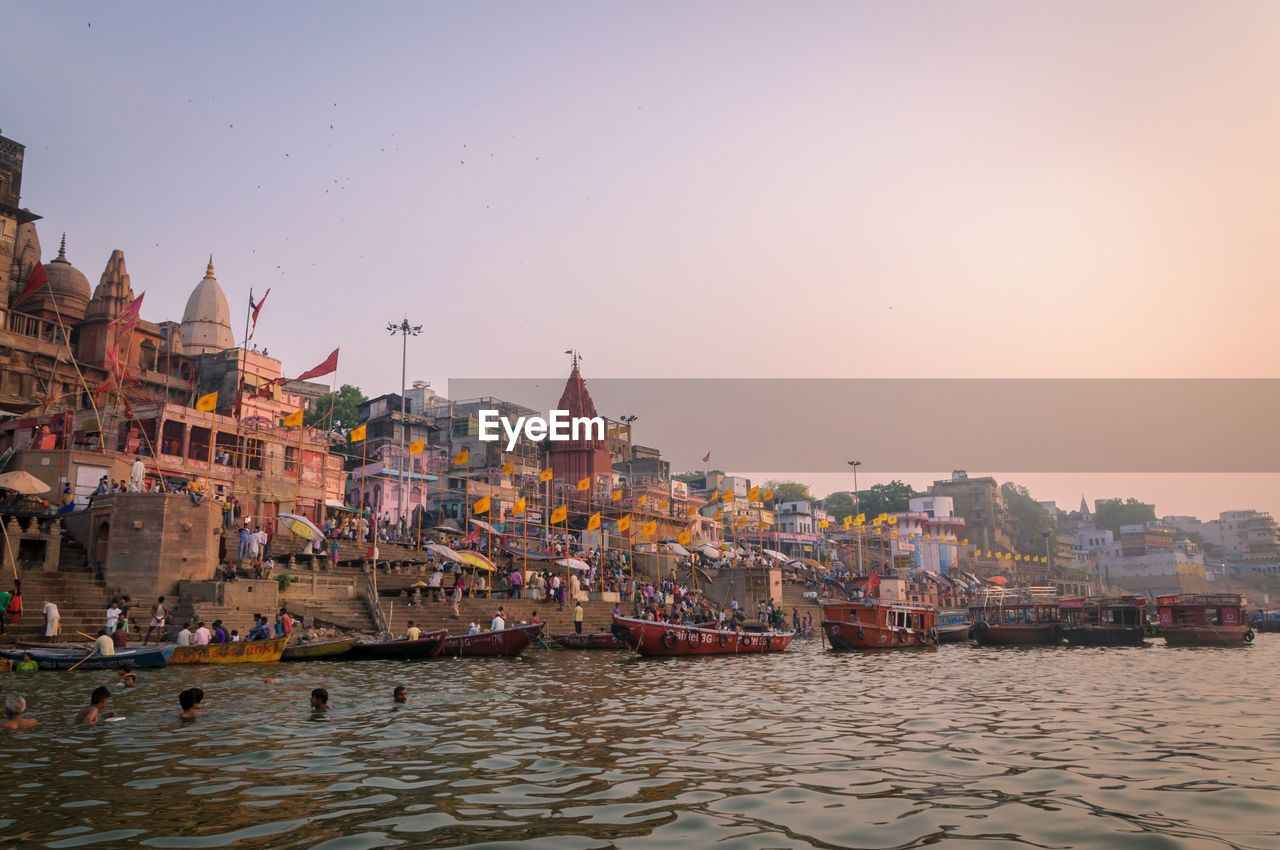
{"x": 577, "y": 618}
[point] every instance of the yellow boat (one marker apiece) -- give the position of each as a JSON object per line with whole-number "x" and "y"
{"x": 239, "y": 652}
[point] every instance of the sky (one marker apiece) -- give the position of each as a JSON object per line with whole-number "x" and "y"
{"x": 708, "y": 189}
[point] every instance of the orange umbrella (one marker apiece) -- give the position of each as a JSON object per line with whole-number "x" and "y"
{"x": 998, "y": 580}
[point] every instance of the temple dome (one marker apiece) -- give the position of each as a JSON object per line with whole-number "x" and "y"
{"x": 206, "y": 323}
{"x": 67, "y": 286}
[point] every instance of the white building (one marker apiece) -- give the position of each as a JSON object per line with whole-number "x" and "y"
{"x": 795, "y": 517}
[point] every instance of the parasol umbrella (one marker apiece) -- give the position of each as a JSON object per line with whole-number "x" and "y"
{"x": 676, "y": 549}
{"x": 484, "y": 526}
{"x": 573, "y": 564}
{"x": 475, "y": 559}
{"x": 446, "y": 529}
{"x": 23, "y": 482}
{"x": 1000, "y": 580}
{"x": 709, "y": 550}
{"x": 300, "y": 526}
{"x": 445, "y": 552}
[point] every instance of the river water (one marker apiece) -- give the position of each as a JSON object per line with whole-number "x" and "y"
{"x": 1045, "y": 747}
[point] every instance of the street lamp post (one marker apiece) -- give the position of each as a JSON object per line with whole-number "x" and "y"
{"x": 855, "y": 464}
{"x": 405, "y": 330}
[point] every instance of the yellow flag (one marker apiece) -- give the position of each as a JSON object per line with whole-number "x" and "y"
{"x": 664, "y": 504}
{"x": 690, "y": 511}
{"x": 544, "y": 475}
{"x": 893, "y": 533}
{"x": 461, "y": 457}
{"x": 593, "y": 522}
{"x": 560, "y": 514}
{"x": 715, "y": 494}
{"x": 481, "y": 507}
{"x": 684, "y": 538}
{"x": 615, "y": 496}
{"x": 207, "y": 403}
{"x": 644, "y": 500}
{"x": 728, "y": 494}
{"x": 416, "y": 447}
{"x": 509, "y": 468}
{"x": 753, "y": 495}
{"x": 823, "y": 523}
{"x": 648, "y": 528}
{"x": 893, "y": 520}
{"x": 926, "y": 537}
{"x": 767, "y": 496}
{"x": 584, "y": 484}
{"x": 741, "y": 521}
{"x": 357, "y": 434}
{"x": 964, "y": 542}
{"x": 848, "y": 521}
{"x": 988, "y": 553}
{"x": 625, "y": 523}
{"x": 860, "y": 519}
{"x": 293, "y": 420}
{"x": 518, "y": 508}
{"x": 719, "y": 516}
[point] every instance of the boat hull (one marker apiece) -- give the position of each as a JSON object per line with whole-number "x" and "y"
{"x": 666, "y": 639}
{"x": 845, "y": 635}
{"x": 598, "y": 640}
{"x": 318, "y": 651}
{"x": 1016, "y": 634}
{"x": 953, "y": 633}
{"x": 1206, "y": 635}
{"x": 1104, "y": 635}
{"x": 506, "y": 642}
{"x": 237, "y": 652}
{"x": 65, "y": 659}
{"x": 427, "y": 645}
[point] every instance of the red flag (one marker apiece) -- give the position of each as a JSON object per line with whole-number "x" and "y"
{"x": 36, "y": 279}
{"x": 873, "y": 585}
{"x": 330, "y": 364}
{"x": 257, "y": 308}
{"x": 706, "y": 458}
{"x": 129, "y": 316}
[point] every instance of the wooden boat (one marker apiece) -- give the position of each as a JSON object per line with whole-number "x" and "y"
{"x": 428, "y": 645}
{"x": 508, "y": 642}
{"x": 953, "y": 625}
{"x": 234, "y": 652}
{"x": 1104, "y": 621}
{"x": 1203, "y": 619}
{"x": 1017, "y": 624}
{"x": 317, "y": 650}
{"x": 1266, "y": 620}
{"x": 65, "y": 659}
{"x": 596, "y": 640}
{"x": 873, "y": 623}
{"x": 660, "y": 639}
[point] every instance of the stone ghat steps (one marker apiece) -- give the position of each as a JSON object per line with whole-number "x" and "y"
{"x": 82, "y": 603}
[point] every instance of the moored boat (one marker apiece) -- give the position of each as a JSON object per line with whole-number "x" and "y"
{"x": 233, "y": 652}
{"x": 873, "y": 623}
{"x": 65, "y": 659}
{"x": 504, "y": 642}
{"x": 428, "y": 645}
{"x": 953, "y": 625}
{"x": 317, "y": 650}
{"x": 1017, "y": 624}
{"x": 1104, "y": 621}
{"x": 651, "y": 638}
{"x": 1203, "y": 619}
{"x": 1266, "y": 620}
{"x": 596, "y": 640}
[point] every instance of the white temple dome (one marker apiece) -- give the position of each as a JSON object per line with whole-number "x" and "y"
{"x": 206, "y": 323}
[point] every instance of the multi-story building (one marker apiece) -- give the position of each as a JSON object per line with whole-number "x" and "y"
{"x": 980, "y": 503}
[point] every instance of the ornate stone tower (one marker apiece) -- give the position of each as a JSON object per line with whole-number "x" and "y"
{"x": 12, "y": 218}
{"x": 573, "y": 460}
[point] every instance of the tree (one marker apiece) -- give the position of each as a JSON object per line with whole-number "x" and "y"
{"x": 788, "y": 491}
{"x": 1031, "y": 522}
{"x": 344, "y": 406}
{"x": 695, "y": 480}
{"x": 839, "y": 505}
{"x": 1113, "y": 513}
{"x": 890, "y": 498}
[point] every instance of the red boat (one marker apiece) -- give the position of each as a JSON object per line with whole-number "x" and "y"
{"x": 879, "y": 624}
{"x": 597, "y": 640}
{"x": 428, "y": 645}
{"x": 1017, "y": 624}
{"x": 1211, "y": 619}
{"x": 652, "y": 638}
{"x": 512, "y": 641}
{"x": 1104, "y": 621}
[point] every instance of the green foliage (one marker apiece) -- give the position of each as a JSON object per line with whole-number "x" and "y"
{"x": 1030, "y": 521}
{"x": 788, "y": 491}
{"x": 1112, "y": 514}
{"x": 283, "y": 581}
{"x": 345, "y": 407}
{"x": 893, "y": 497}
{"x": 839, "y": 505}
{"x": 696, "y": 480}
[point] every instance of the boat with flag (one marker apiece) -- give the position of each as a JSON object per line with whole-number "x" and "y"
{"x": 504, "y": 642}
{"x": 85, "y": 659}
{"x": 1203, "y": 619}
{"x": 873, "y": 623}
{"x": 428, "y": 645}
{"x": 651, "y": 638}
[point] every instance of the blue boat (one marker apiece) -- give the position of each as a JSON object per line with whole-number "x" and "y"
{"x": 952, "y": 625}
{"x": 65, "y": 659}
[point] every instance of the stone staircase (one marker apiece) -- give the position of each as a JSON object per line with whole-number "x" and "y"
{"x": 81, "y": 597}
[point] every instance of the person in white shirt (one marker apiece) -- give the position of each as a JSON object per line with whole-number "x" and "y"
{"x": 473, "y": 629}
{"x": 499, "y": 622}
{"x": 52, "y": 619}
{"x": 137, "y": 472}
{"x": 184, "y": 636}
{"x": 201, "y": 636}
{"x": 113, "y": 614}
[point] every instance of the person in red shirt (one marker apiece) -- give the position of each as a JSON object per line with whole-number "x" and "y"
{"x": 118, "y": 636}
{"x": 286, "y": 623}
